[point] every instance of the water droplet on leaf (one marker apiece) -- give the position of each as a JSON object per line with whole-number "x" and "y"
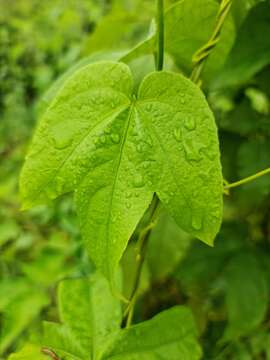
{"x": 115, "y": 138}
{"x": 177, "y": 134}
{"x": 189, "y": 123}
{"x": 196, "y": 222}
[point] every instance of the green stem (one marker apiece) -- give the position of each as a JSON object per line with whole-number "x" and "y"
{"x": 160, "y": 36}
{"x": 146, "y": 232}
{"x": 199, "y": 60}
{"x": 200, "y": 57}
{"x": 247, "y": 179}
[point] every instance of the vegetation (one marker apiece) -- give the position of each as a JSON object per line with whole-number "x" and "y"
{"x": 135, "y": 221}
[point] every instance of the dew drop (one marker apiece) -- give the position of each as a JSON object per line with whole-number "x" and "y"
{"x": 216, "y": 213}
{"x": 146, "y": 165}
{"x": 196, "y": 222}
{"x": 177, "y": 134}
{"x": 103, "y": 139}
{"x": 140, "y": 148}
{"x": 190, "y": 123}
{"x": 191, "y": 150}
{"x": 115, "y": 138}
{"x": 138, "y": 181}
{"x": 62, "y": 140}
{"x": 128, "y": 194}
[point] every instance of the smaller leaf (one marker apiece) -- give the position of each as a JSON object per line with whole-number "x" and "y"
{"x": 246, "y": 295}
{"x": 167, "y": 246}
{"x": 169, "y": 335}
{"x": 251, "y": 50}
{"x": 90, "y": 328}
{"x": 19, "y": 312}
{"x": 88, "y": 313}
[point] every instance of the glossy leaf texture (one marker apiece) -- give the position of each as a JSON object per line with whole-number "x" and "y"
{"x": 90, "y": 328}
{"x": 116, "y": 149}
{"x": 251, "y": 50}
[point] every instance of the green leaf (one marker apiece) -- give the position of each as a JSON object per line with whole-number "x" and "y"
{"x": 246, "y": 296}
{"x": 116, "y": 150}
{"x": 241, "y": 8}
{"x": 20, "y": 307}
{"x": 9, "y": 230}
{"x": 167, "y": 246}
{"x": 251, "y": 51}
{"x": 29, "y": 352}
{"x": 169, "y": 335}
{"x": 50, "y": 94}
{"x": 88, "y": 313}
{"x": 253, "y": 156}
{"x": 127, "y": 27}
{"x": 90, "y": 328}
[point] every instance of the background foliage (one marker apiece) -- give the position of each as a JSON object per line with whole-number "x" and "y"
{"x": 227, "y": 287}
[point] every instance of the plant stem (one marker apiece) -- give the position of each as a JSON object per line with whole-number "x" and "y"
{"x": 160, "y": 35}
{"x": 247, "y": 179}
{"x": 140, "y": 257}
{"x": 200, "y": 57}
{"x": 50, "y": 353}
{"x": 146, "y": 232}
{"x": 199, "y": 60}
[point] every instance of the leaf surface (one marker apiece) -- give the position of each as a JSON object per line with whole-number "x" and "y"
{"x": 29, "y": 352}
{"x": 115, "y": 150}
{"x": 20, "y": 306}
{"x": 169, "y": 335}
{"x": 246, "y": 296}
{"x": 90, "y": 328}
{"x": 88, "y": 313}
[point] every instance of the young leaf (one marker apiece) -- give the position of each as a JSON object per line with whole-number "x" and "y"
{"x": 251, "y": 51}
{"x": 246, "y": 296}
{"x": 169, "y": 335}
{"x": 116, "y": 150}
{"x": 90, "y": 328}
{"x": 20, "y": 306}
{"x": 88, "y": 313}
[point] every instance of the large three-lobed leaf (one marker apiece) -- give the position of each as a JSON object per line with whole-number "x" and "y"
{"x": 115, "y": 149}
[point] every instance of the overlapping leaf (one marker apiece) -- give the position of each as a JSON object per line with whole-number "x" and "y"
{"x": 182, "y": 38}
{"x": 115, "y": 150}
{"x": 90, "y": 328}
{"x": 88, "y": 313}
{"x": 251, "y": 51}
{"x": 246, "y": 300}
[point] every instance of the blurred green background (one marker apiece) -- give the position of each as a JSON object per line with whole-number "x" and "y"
{"x": 227, "y": 287}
